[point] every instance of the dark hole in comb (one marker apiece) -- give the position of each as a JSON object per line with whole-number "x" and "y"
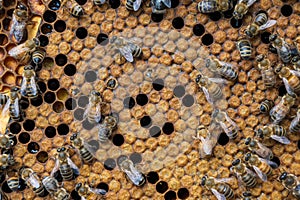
{"x": 60, "y": 26}
{"x": 87, "y": 125}
{"x": 155, "y": 131}
{"x": 8, "y": 3}
{"x": 75, "y": 195}
{"x": 42, "y": 156}
{"x": 78, "y": 114}
{"x": 215, "y": 16}
{"x": 44, "y": 41}
{"x": 198, "y": 29}
{"x": 63, "y": 129}
{"x": 61, "y": 59}
{"x": 2, "y": 177}
{"x": 282, "y": 90}
{"x": 53, "y": 84}
{"x": 179, "y": 91}
{"x": 114, "y": 3}
{"x": 135, "y": 158}
{"x": 70, "y": 70}
{"x": 28, "y": 125}
{"x": 46, "y": 28}
{"x": 103, "y": 186}
{"x": 129, "y": 102}
{"x": 152, "y": 177}
{"x": 90, "y": 76}
{"x": 54, "y": 5}
{"x": 2, "y": 13}
{"x": 118, "y": 139}
{"x": 24, "y": 103}
{"x": 110, "y": 164}
{"x": 174, "y": 3}
{"x": 158, "y": 84}
{"x": 81, "y": 33}
{"x": 81, "y": 2}
{"x": 170, "y": 195}
{"x": 162, "y": 187}
{"x": 228, "y": 14}
{"x": 183, "y": 193}
{"x": 37, "y": 101}
{"x": 188, "y": 100}
{"x": 236, "y": 23}
{"x": 49, "y": 97}
{"x": 58, "y": 107}
{"x": 145, "y": 121}
{"x": 94, "y": 144}
{"x": 70, "y": 104}
{"x": 33, "y": 147}
{"x": 141, "y": 99}
{"x": 157, "y": 17}
{"x": 277, "y": 161}
{"x": 50, "y": 132}
{"x": 265, "y": 37}
{"x": 42, "y": 86}
{"x": 102, "y": 39}
{"x": 6, "y": 23}
{"x": 83, "y": 101}
{"x": 178, "y": 22}
{"x": 223, "y": 139}
{"x": 168, "y": 128}
{"x": 207, "y": 39}
{"x": 15, "y": 128}
{"x": 286, "y": 10}
{"x": 49, "y": 16}
{"x": 5, "y": 188}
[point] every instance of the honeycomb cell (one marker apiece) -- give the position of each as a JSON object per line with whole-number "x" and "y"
{"x": 81, "y": 2}
{"x": 158, "y": 84}
{"x": 110, "y": 164}
{"x": 174, "y": 3}
{"x": 265, "y": 37}
{"x": 141, "y": 99}
{"x": 42, "y": 86}
{"x": 70, "y": 70}
{"x": 135, "y": 158}
{"x": 50, "y": 132}
{"x": 276, "y": 160}
{"x": 63, "y": 129}
{"x": 49, "y": 16}
{"x": 154, "y": 131}
{"x": 60, "y": 26}
{"x": 81, "y": 33}
{"x": 53, "y": 84}
{"x": 145, "y": 121}
{"x": 236, "y": 23}
{"x": 33, "y": 147}
{"x": 78, "y": 114}
{"x": 178, "y": 22}
{"x": 3, "y": 39}
{"x": 129, "y": 102}
{"x": 2, "y": 13}
{"x": 83, "y": 101}
{"x": 10, "y": 63}
{"x": 223, "y": 139}
{"x": 37, "y": 101}
{"x": 170, "y": 195}
{"x": 54, "y": 5}
{"x": 103, "y": 186}
{"x": 70, "y": 104}
{"x": 49, "y": 97}
{"x": 90, "y": 76}
{"x": 61, "y": 59}
{"x": 28, "y": 125}
{"x": 58, "y": 107}
{"x": 44, "y": 41}
{"x": 286, "y": 10}
{"x": 183, "y": 193}
{"x": 86, "y": 124}
{"x": 24, "y": 103}
{"x": 215, "y": 16}
{"x": 118, "y": 139}
{"x": 15, "y": 128}
{"x": 46, "y": 28}
{"x": 228, "y": 14}
{"x": 157, "y": 17}
{"x": 114, "y": 3}
{"x": 62, "y": 94}
{"x": 168, "y": 128}
{"x": 6, "y": 23}
{"x": 162, "y": 187}
{"x": 188, "y": 100}
{"x": 102, "y": 39}
{"x": 207, "y": 39}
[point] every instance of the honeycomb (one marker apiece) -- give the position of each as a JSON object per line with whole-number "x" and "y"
{"x": 157, "y": 115}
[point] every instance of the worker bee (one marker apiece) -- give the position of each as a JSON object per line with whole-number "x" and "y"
{"x": 245, "y": 48}
{"x": 78, "y": 143}
{"x": 133, "y": 4}
{"x": 6, "y": 141}
{"x": 275, "y": 132}
{"x": 210, "y": 6}
{"x": 13, "y": 183}
{"x": 290, "y": 79}
{"x": 226, "y": 70}
{"x": 84, "y": 190}
{"x": 260, "y": 23}
{"x": 106, "y": 127}
{"x": 246, "y": 196}
{"x": 3, "y": 99}
{"x": 209, "y": 86}
{"x": 74, "y": 8}
{"x": 296, "y": 63}
{"x": 38, "y": 56}
{"x": 65, "y": 165}
{"x": 208, "y": 142}
{"x": 127, "y": 166}
{"x": 29, "y": 88}
{"x": 230, "y": 127}
{"x": 56, "y": 191}
{"x": 19, "y": 20}
{"x": 33, "y": 181}
{"x": 244, "y": 174}
{"x": 295, "y": 124}
{"x": 241, "y": 8}
{"x": 218, "y": 187}
{"x": 98, "y": 2}
{"x": 261, "y": 166}
{"x": 266, "y": 106}
{"x": 279, "y": 111}
{"x": 267, "y": 72}
{"x": 93, "y": 111}
{"x": 128, "y": 49}
{"x": 290, "y": 182}
{"x": 13, "y": 106}
{"x": 23, "y": 51}
{"x": 159, "y": 6}
{"x": 258, "y": 148}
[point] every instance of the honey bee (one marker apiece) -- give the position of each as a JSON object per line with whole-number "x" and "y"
{"x": 74, "y": 8}
{"x": 3, "y": 99}
{"x": 284, "y": 50}
{"x": 258, "y": 148}
{"x": 296, "y": 63}
{"x": 13, "y": 183}
{"x": 245, "y": 48}
{"x": 38, "y": 56}
{"x": 127, "y": 166}
{"x": 247, "y": 196}
{"x": 159, "y": 6}
{"x": 133, "y": 4}
{"x": 19, "y": 21}
{"x": 65, "y": 165}
{"x": 6, "y": 142}
{"x": 266, "y": 106}
{"x": 245, "y": 175}
{"x": 56, "y": 191}
{"x": 93, "y": 111}
{"x": 261, "y": 166}
{"x": 210, "y": 6}
{"x": 279, "y": 111}
{"x": 295, "y": 124}
{"x": 33, "y": 181}
{"x": 29, "y": 88}
{"x": 290, "y": 79}
{"x": 24, "y": 50}
{"x": 275, "y": 132}
{"x": 226, "y": 70}
{"x": 12, "y": 105}
{"x": 98, "y": 2}
{"x": 78, "y": 143}
{"x": 267, "y": 72}
{"x": 207, "y": 143}
{"x": 84, "y": 190}
{"x": 230, "y": 127}
{"x": 241, "y": 8}
{"x": 218, "y": 187}
{"x": 106, "y": 127}
{"x": 260, "y": 23}
{"x": 6, "y": 161}
{"x": 290, "y": 182}
{"x": 128, "y": 49}
{"x": 210, "y": 88}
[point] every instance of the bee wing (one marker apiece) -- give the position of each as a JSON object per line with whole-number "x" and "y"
{"x": 127, "y": 53}
{"x": 288, "y": 87}
{"x": 231, "y": 121}
{"x": 73, "y": 166}
{"x": 206, "y": 93}
{"x": 296, "y": 73}
{"x": 260, "y": 174}
{"x": 167, "y": 3}
{"x": 269, "y": 162}
{"x": 98, "y": 113}
{"x": 267, "y": 25}
{"x": 23, "y": 87}
{"x": 207, "y": 145}
{"x": 218, "y": 80}
{"x": 223, "y": 180}
{"x": 33, "y": 86}
{"x": 87, "y": 110}
{"x": 16, "y": 105}
{"x": 263, "y": 151}
{"x": 250, "y": 172}
{"x": 5, "y": 109}
{"x": 137, "y": 5}
{"x": 34, "y": 182}
{"x": 281, "y": 139}
{"x": 98, "y": 191}
{"x": 14, "y": 52}
{"x": 55, "y": 168}
{"x": 218, "y": 194}
{"x": 250, "y": 2}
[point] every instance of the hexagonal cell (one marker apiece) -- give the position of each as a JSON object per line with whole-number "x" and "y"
{"x": 11, "y": 63}
{"x": 48, "y": 63}
{"x": 9, "y": 78}
{"x": 62, "y": 94}
{"x": 2, "y": 53}
{"x": 3, "y": 39}
{"x": 58, "y": 107}
{"x": 1, "y": 69}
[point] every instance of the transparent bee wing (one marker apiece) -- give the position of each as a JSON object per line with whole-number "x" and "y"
{"x": 250, "y": 2}
{"x": 207, "y": 145}
{"x": 34, "y": 181}
{"x": 288, "y": 88}
{"x": 82, "y": 198}
{"x": 267, "y": 25}
{"x": 87, "y": 110}
{"x": 218, "y": 80}
{"x": 231, "y": 121}
{"x": 250, "y": 171}
{"x": 55, "y": 168}
{"x": 17, "y": 107}
{"x": 73, "y": 166}
{"x": 127, "y": 53}
{"x": 281, "y": 139}
{"x": 5, "y": 110}
{"x": 218, "y": 194}
{"x": 296, "y": 73}
{"x": 269, "y": 162}
{"x": 98, "y": 191}
{"x": 260, "y": 174}
{"x": 223, "y": 180}
{"x": 137, "y": 5}
{"x": 167, "y": 3}
{"x": 98, "y": 113}
{"x": 16, "y": 51}
{"x": 33, "y": 86}
{"x": 263, "y": 151}
{"x": 207, "y": 95}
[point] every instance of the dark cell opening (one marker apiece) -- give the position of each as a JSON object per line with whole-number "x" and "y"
{"x": 170, "y": 195}
{"x": 282, "y": 90}
{"x": 50, "y": 132}
{"x": 10, "y": 12}
{"x": 118, "y": 139}
{"x": 215, "y": 16}
{"x": 44, "y": 41}
{"x": 158, "y": 84}
{"x": 102, "y": 39}
{"x": 94, "y": 144}
{"x": 6, "y": 23}
{"x": 63, "y": 129}
{"x": 9, "y": 3}
{"x": 60, "y": 26}
{"x": 81, "y": 2}
{"x": 28, "y": 125}
{"x": 178, "y": 22}
{"x": 70, "y": 70}
{"x": 83, "y": 101}
{"x": 49, "y": 97}
{"x": 46, "y": 28}
{"x": 155, "y": 131}
{"x": 141, "y": 99}
{"x": 58, "y": 107}
{"x": 265, "y": 37}
{"x": 3, "y": 39}
{"x": 183, "y": 193}
{"x": 146, "y": 121}
{"x": 90, "y": 76}
{"x": 15, "y": 128}
{"x": 198, "y": 29}
{"x": 49, "y": 16}
{"x": 42, "y": 156}
{"x": 135, "y": 158}
{"x": 188, "y": 100}
{"x": 157, "y": 17}
{"x": 162, "y": 187}
{"x": 103, "y": 186}
{"x": 81, "y": 33}
{"x": 152, "y": 177}
{"x": 54, "y": 5}
{"x": 33, "y": 147}
{"x": 129, "y": 102}
{"x": 2, "y": 13}
{"x": 179, "y": 91}
{"x": 53, "y": 84}
{"x": 207, "y": 39}
{"x": 223, "y": 139}
{"x": 114, "y": 4}
{"x": 174, "y": 3}
{"x": 24, "y": 103}
{"x": 168, "y": 128}
{"x": 75, "y": 195}
{"x": 87, "y": 125}
{"x": 272, "y": 49}
{"x": 236, "y": 23}
{"x": 42, "y": 86}
{"x": 70, "y": 104}
{"x": 277, "y": 161}
{"x": 61, "y": 59}
{"x": 78, "y": 114}
{"x": 228, "y": 14}
{"x": 22, "y": 185}
{"x": 5, "y": 188}
{"x": 298, "y": 144}
{"x": 286, "y": 10}
{"x": 58, "y": 176}
{"x": 37, "y": 101}
{"x": 109, "y": 164}
{"x": 2, "y": 177}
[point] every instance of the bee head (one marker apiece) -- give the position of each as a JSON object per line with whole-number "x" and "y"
{"x": 28, "y": 67}
{"x": 73, "y": 137}
{"x": 283, "y": 176}
{"x": 237, "y": 15}
{"x": 58, "y": 149}
{"x": 278, "y": 68}
{"x": 295, "y": 59}
{"x": 198, "y": 78}
{"x": 260, "y": 58}
{"x": 203, "y": 180}
{"x": 247, "y": 156}
{"x": 249, "y": 33}
{"x": 94, "y": 92}
{"x": 21, "y": 6}
{"x": 14, "y": 89}
{"x": 236, "y": 162}
{"x": 247, "y": 194}
{"x": 260, "y": 133}
{"x": 36, "y": 41}
{"x": 78, "y": 186}
{"x": 272, "y": 37}
{"x": 111, "y": 83}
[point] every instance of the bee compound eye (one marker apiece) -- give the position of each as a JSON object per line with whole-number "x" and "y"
{"x": 58, "y": 150}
